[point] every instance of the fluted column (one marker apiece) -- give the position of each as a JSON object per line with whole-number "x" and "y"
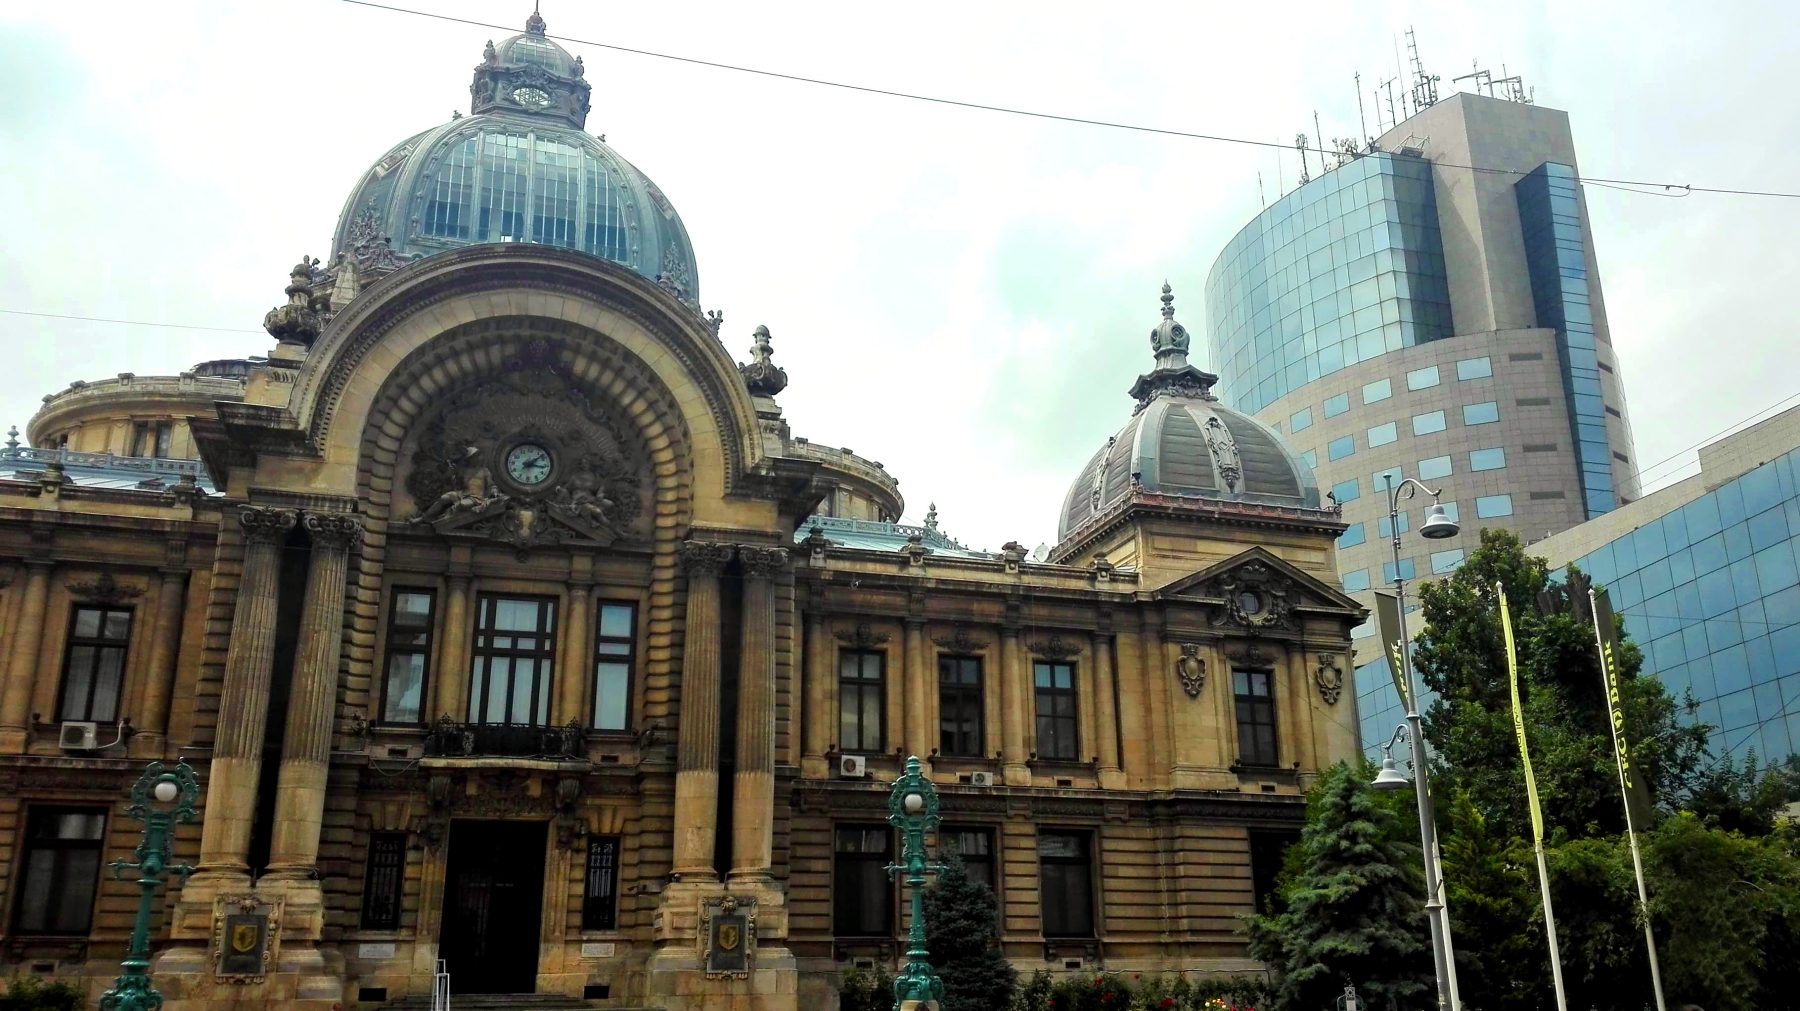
{"x": 27, "y": 640}
{"x": 697, "y": 751}
{"x": 1105, "y": 713}
{"x": 576, "y": 670}
{"x": 244, "y": 701}
{"x": 819, "y": 673}
{"x": 452, "y": 673}
{"x": 918, "y": 723}
{"x": 1015, "y": 710}
{"x": 151, "y": 721}
{"x": 312, "y": 701}
{"x": 753, "y": 784}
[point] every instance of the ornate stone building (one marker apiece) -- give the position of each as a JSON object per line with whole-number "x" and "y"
{"x": 509, "y": 627}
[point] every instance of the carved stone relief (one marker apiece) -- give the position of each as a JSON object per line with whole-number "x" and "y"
{"x": 1330, "y": 679}
{"x": 863, "y": 636}
{"x": 1055, "y": 648}
{"x": 1256, "y": 596}
{"x": 1191, "y": 669}
{"x": 960, "y": 641}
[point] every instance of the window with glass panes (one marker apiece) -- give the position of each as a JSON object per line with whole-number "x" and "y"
{"x": 974, "y": 847}
{"x": 959, "y": 705}
{"x": 408, "y": 656}
{"x": 615, "y": 650}
{"x": 152, "y": 438}
{"x": 514, "y": 660}
{"x": 94, "y": 664}
{"x": 1066, "y": 884}
{"x": 862, "y": 897}
{"x": 861, "y": 696}
{"x": 600, "y": 885}
{"x": 384, "y": 878}
{"x": 60, "y": 870}
{"x": 1057, "y": 736}
{"x": 1254, "y": 693}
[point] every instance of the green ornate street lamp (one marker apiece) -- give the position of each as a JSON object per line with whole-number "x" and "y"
{"x": 913, "y": 809}
{"x": 162, "y": 798}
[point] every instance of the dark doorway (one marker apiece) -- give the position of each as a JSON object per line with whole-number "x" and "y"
{"x": 493, "y": 906}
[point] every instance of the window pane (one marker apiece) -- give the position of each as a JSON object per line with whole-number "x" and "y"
{"x": 1356, "y": 581}
{"x": 1353, "y": 535}
{"x": 1474, "y": 368}
{"x": 1377, "y": 391}
{"x": 1337, "y": 449}
{"x": 1435, "y": 467}
{"x": 1347, "y": 491}
{"x": 1481, "y": 414}
{"x": 1487, "y": 459}
{"x": 1381, "y": 435}
{"x": 1337, "y": 405}
{"x": 1311, "y": 459}
{"x": 615, "y": 621}
{"x": 1300, "y": 421}
{"x": 1445, "y": 561}
{"x": 1425, "y": 424}
{"x": 611, "y": 693}
{"x": 87, "y": 622}
{"x": 60, "y": 871}
{"x": 862, "y": 903}
{"x": 1407, "y": 570}
{"x": 1422, "y": 379}
{"x": 1490, "y": 506}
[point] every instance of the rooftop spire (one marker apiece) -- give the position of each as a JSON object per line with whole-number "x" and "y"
{"x": 1173, "y": 374}
{"x": 1169, "y": 339}
{"x": 534, "y": 25}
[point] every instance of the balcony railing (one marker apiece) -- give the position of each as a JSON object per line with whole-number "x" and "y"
{"x": 450, "y": 739}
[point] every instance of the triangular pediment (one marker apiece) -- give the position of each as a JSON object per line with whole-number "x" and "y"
{"x": 1257, "y": 589}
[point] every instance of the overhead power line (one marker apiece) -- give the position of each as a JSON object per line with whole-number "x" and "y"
{"x": 128, "y": 322}
{"x": 1647, "y": 187}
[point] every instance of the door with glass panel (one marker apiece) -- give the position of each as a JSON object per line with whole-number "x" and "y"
{"x": 515, "y": 646}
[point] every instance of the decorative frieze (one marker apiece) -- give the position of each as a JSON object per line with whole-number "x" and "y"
{"x": 960, "y": 641}
{"x": 863, "y": 636}
{"x": 103, "y": 589}
{"x": 1055, "y": 648}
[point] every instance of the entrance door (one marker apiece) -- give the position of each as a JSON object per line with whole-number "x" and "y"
{"x": 493, "y": 906}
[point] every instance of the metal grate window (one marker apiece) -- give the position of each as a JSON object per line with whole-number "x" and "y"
{"x": 384, "y": 881}
{"x": 600, "y": 892}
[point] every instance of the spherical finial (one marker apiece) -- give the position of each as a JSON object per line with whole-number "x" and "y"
{"x": 12, "y": 437}
{"x": 166, "y": 791}
{"x": 535, "y": 23}
{"x": 913, "y": 803}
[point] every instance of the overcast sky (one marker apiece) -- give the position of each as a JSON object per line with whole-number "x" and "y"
{"x": 962, "y": 295}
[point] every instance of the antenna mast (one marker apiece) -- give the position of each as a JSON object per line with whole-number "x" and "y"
{"x": 1424, "y": 86}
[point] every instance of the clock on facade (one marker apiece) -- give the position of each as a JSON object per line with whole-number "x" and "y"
{"x": 528, "y": 464}
{"x": 531, "y": 98}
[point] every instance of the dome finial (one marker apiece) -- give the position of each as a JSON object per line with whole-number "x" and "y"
{"x": 1173, "y": 374}
{"x": 1168, "y": 300}
{"x": 762, "y": 375}
{"x": 1169, "y": 339}
{"x": 534, "y": 25}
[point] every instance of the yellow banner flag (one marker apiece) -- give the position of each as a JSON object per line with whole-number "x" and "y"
{"x": 1512, "y": 670}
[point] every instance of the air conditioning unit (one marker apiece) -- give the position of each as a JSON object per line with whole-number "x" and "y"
{"x": 981, "y": 779}
{"x": 79, "y": 736}
{"x": 853, "y": 767}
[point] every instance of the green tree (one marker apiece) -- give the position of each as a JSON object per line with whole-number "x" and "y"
{"x": 1355, "y": 910}
{"x": 962, "y": 923}
{"x": 1501, "y": 958}
{"x": 1746, "y": 798}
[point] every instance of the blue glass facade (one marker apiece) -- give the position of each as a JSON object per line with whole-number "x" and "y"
{"x": 1556, "y": 258}
{"x": 1345, "y": 268}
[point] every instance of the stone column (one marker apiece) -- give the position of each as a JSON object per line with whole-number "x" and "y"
{"x": 21, "y": 673}
{"x": 753, "y": 786}
{"x": 918, "y": 713}
{"x": 165, "y": 644}
{"x": 819, "y": 674}
{"x": 244, "y": 702}
{"x": 577, "y": 661}
{"x": 452, "y": 674}
{"x": 697, "y": 746}
{"x": 1105, "y": 713}
{"x": 1014, "y": 710}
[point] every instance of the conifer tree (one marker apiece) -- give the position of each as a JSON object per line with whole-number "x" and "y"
{"x": 962, "y": 923}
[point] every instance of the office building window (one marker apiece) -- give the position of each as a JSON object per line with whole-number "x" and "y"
{"x": 1337, "y": 405}
{"x": 1356, "y": 581}
{"x": 1485, "y": 413}
{"x": 1445, "y": 561}
{"x": 1377, "y": 391}
{"x": 1254, "y": 693}
{"x": 615, "y": 654}
{"x": 1387, "y": 529}
{"x": 1337, "y": 449}
{"x": 1311, "y": 459}
{"x": 1451, "y": 511}
{"x": 600, "y": 887}
{"x": 1422, "y": 379}
{"x": 408, "y": 656}
{"x": 1346, "y": 491}
{"x": 60, "y": 870}
{"x": 1066, "y": 884}
{"x": 1056, "y": 721}
{"x": 94, "y": 664}
{"x": 974, "y": 846}
{"x": 152, "y": 438}
{"x": 1381, "y": 435}
{"x": 862, "y": 691}
{"x": 384, "y": 879}
{"x": 1407, "y": 570}
{"x": 1353, "y": 535}
{"x": 1474, "y": 368}
{"x": 1489, "y": 507}
{"x": 514, "y": 661}
{"x": 1425, "y": 424}
{"x": 1487, "y": 459}
{"x": 959, "y": 705}
{"x": 1434, "y": 467}
{"x": 1380, "y": 480}
{"x": 1300, "y": 421}
{"x": 862, "y": 897}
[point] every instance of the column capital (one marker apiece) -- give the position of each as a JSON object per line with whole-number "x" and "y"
{"x": 333, "y": 530}
{"x": 762, "y": 562}
{"x": 704, "y": 558}
{"x": 265, "y": 524}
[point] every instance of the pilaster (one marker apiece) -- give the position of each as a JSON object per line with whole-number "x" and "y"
{"x": 151, "y": 720}
{"x": 451, "y": 688}
{"x": 918, "y": 712}
{"x": 1111, "y": 777}
{"x": 1014, "y": 710}
{"x": 753, "y": 787}
{"x": 817, "y": 673}
{"x": 26, "y": 647}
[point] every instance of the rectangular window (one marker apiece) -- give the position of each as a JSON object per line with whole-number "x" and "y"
{"x": 959, "y": 706}
{"x": 1253, "y": 691}
{"x": 1311, "y": 459}
{"x": 1066, "y": 884}
{"x": 1485, "y": 413}
{"x": 1381, "y": 479}
{"x": 1407, "y": 570}
{"x": 1357, "y": 581}
{"x": 384, "y": 880}
{"x": 1488, "y": 507}
{"x": 615, "y": 656}
{"x": 1381, "y": 435}
{"x": 61, "y": 871}
{"x": 1425, "y": 424}
{"x": 1346, "y": 491}
{"x": 514, "y": 660}
{"x": 1337, "y": 449}
{"x": 1337, "y": 405}
{"x": 862, "y": 896}
{"x": 1353, "y": 535}
{"x": 152, "y": 438}
{"x": 862, "y": 692}
{"x": 1387, "y": 530}
{"x": 975, "y": 847}
{"x": 408, "y": 656}
{"x": 1487, "y": 459}
{"x": 1377, "y": 391}
{"x": 94, "y": 664}
{"x": 1422, "y": 379}
{"x": 1445, "y": 561}
{"x": 1300, "y": 421}
{"x": 600, "y": 888}
{"x": 1474, "y": 368}
{"x": 1056, "y": 724}
{"x": 1434, "y": 467}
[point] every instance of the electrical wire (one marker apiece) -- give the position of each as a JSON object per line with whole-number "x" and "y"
{"x": 127, "y": 322}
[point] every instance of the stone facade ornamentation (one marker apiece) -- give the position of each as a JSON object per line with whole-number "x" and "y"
{"x": 1224, "y": 452}
{"x": 338, "y": 530}
{"x": 1330, "y": 679}
{"x": 762, "y": 562}
{"x": 103, "y": 589}
{"x": 246, "y": 938}
{"x": 762, "y": 375}
{"x": 1055, "y": 648}
{"x": 1256, "y": 596}
{"x": 705, "y": 558}
{"x": 297, "y": 322}
{"x": 1190, "y": 669}
{"x": 863, "y": 636}
{"x": 728, "y": 937}
{"x": 1249, "y": 654}
{"x": 261, "y": 523}
{"x": 960, "y": 641}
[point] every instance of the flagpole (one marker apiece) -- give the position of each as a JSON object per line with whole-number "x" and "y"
{"x": 1637, "y": 861}
{"x": 1562, "y": 1002}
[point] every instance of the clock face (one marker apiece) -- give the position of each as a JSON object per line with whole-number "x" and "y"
{"x": 531, "y": 98}
{"x": 528, "y": 464}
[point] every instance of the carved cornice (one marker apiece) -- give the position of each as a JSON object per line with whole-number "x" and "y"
{"x": 333, "y": 530}
{"x": 1055, "y": 648}
{"x": 762, "y": 562}
{"x": 262, "y": 524}
{"x": 862, "y": 636}
{"x": 704, "y": 558}
{"x": 103, "y": 589}
{"x": 960, "y": 641}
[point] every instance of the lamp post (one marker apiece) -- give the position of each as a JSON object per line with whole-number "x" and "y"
{"x": 913, "y": 809}
{"x": 1437, "y": 525}
{"x": 162, "y": 798}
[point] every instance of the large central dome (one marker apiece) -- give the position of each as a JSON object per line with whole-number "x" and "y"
{"x": 520, "y": 168}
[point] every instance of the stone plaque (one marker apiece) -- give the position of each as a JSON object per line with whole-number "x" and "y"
{"x": 597, "y": 949}
{"x": 245, "y": 933}
{"x": 728, "y": 936}
{"x": 376, "y": 952}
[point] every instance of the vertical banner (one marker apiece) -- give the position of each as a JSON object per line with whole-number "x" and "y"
{"x": 1518, "y": 713}
{"x": 1387, "y": 621}
{"x": 1637, "y": 795}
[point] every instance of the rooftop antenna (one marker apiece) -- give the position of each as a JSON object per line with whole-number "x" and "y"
{"x": 1393, "y": 117}
{"x": 1482, "y": 78}
{"x": 1400, "y": 72}
{"x": 1320, "y": 135}
{"x": 1361, "y": 123}
{"x": 1300, "y": 146}
{"x": 1424, "y": 86}
{"x": 1512, "y": 87}
{"x": 1260, "y": 198}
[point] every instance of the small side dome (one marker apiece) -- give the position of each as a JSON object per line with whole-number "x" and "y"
{"x": 1182, "y": 444}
